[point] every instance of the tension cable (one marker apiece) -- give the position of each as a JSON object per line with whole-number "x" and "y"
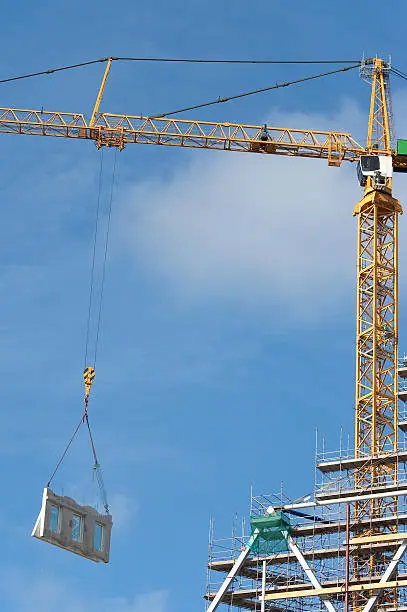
{"x": 89, "y": 371}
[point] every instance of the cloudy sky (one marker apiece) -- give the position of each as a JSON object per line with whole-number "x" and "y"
{"x": 228, "y": 321}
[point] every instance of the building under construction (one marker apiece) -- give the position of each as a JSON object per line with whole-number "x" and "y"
{"x": 320, "y": 549}
{"x": 343, "y": 546}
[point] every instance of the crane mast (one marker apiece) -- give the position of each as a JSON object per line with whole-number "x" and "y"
{"x": 376, "y": 423}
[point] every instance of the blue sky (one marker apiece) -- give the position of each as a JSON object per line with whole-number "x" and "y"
{"x": 228, "y": 321}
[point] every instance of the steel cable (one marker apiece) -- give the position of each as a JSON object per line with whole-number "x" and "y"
{"x": 178, "y": 60}
{"x": 254, "y": 92}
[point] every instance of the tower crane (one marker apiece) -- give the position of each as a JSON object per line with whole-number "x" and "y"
{"x": 376, "y": 416}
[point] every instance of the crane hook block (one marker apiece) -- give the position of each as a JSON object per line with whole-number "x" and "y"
{"x": 88, "y": 377}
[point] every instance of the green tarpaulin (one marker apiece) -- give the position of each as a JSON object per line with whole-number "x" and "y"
{"x": 273, "y": 532}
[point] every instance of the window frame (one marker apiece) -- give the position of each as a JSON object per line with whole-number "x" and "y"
{"x": 57, "y": 530}
{"x": 102, "y": 536}
{"x": 370, "y": 163}
{"x": 79, "y": 539}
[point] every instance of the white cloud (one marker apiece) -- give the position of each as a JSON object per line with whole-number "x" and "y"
{"x": 39, "y": 593}
{"x": 123, "y": 509}
{"x": 263, "y": 231}
{"x": 50, "y": 593}
{"x": 155, "y": 601}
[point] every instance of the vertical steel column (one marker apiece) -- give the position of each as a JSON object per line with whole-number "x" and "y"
{"x": 263, "y": 586}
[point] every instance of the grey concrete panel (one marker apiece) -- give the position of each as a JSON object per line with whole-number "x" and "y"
{"x": 64, "y": 523}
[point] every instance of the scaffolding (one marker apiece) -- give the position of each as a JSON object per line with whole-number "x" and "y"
{"x": 329, "y": 556}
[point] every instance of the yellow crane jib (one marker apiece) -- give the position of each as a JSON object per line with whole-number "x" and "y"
{"x": 88, "y": 378}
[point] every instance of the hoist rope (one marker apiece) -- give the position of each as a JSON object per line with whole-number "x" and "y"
{"x": 92, "y": 358}
{"x": 92, "y": 273}
{"x": 102, "y": 286}
{"x": 89, "y": 371}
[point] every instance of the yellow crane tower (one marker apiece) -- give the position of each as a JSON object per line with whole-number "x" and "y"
{"x": 376, "y": 390}
{"x": 376, "y": 422}
{"x": 376, "y": 459}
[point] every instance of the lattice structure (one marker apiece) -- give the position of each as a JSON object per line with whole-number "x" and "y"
{"x": 119, "y": 130}
{"x": 335, "y": 546}
{"x": 377, "y": 333}
{"x": 376, "y": 72}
